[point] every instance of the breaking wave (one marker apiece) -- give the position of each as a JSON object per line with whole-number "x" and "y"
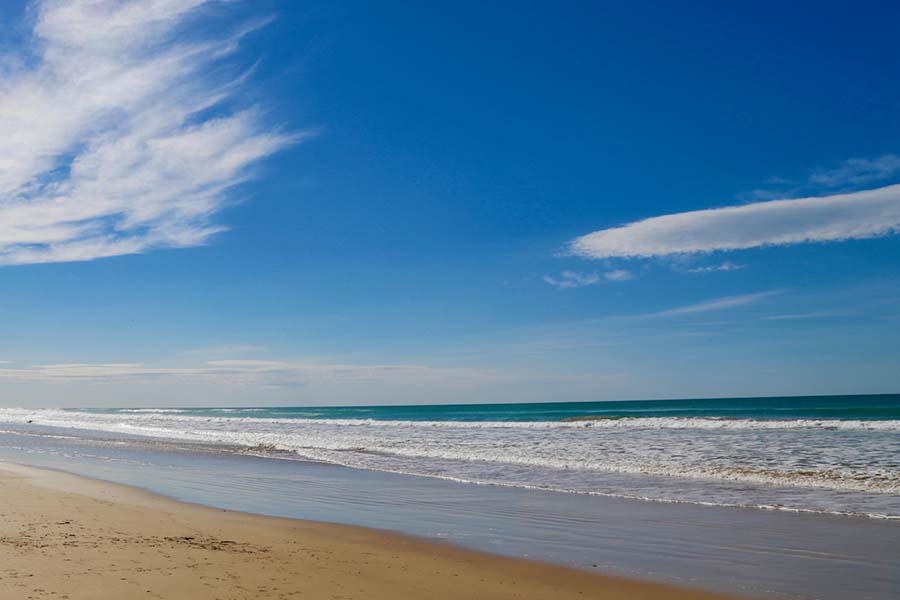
{"x": 841, "y": 466}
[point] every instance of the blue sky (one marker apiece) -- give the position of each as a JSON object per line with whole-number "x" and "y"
{"x": 276, "y": 202}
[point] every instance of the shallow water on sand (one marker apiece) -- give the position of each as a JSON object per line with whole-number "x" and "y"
{"x": 755, "y": 551}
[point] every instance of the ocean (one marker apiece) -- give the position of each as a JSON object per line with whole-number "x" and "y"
{"x": 828, "y": 454}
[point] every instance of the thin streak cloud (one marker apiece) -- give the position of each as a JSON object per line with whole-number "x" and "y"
{"x": 858, "y": 215}
{"x": 716, "y": 304}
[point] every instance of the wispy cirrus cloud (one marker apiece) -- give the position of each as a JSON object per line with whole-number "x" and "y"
{"x": 574, "y": 279}
{"x": 847, "y": 176}
{"x": 715, "y": 304}
{"x": 114, "y": 136}
{"x": 857, "y": 215}
{"x": 618, "y": 275}
{"x": 721, "y": 267}
{"x": 802, "y": 316}
{"x": 858, "y": 171}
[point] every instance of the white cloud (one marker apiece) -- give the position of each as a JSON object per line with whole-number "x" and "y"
{"x": 113, "y": 136}
{"x": 801, "y": 316}
{"x": 266, "y": 373}
{"x": 858, "y": 171}
{"x": 725, "y": 266}
{"x": 618, "y": 275}
{"x": 572, "y": 279}
{"x": 715, "y": 304}
{"x": 858, "y": 215}
{"x": 850, "y": 174}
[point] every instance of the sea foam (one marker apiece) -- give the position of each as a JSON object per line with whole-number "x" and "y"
{"x": 841, "y": 466}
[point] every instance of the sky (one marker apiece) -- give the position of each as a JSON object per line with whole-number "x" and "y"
{"x": 210, "y": 203}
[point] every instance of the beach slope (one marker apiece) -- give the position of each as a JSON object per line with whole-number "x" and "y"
{"x": 63, "y": 536}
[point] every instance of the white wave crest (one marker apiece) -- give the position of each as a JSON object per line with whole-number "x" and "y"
{"x": 60, "y": 417}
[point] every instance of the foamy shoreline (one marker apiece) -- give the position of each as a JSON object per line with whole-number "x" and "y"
{"x": 796, "y": 555}
{"x": 831, "y": 466}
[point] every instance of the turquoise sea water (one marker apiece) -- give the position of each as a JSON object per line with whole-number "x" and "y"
{"x": 869, "y": 407}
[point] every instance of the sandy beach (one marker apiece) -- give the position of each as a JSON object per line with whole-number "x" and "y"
{"x": 64, "y": 536}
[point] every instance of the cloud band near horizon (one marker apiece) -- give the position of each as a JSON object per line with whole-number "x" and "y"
{"x": 245, "y": 372}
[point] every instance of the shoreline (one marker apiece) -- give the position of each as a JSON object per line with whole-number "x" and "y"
{"x": 750, "y": 552}
{"x": 719, "y": 452}
{"x": 68, "y": 536}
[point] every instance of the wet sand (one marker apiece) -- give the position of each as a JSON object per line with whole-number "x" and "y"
{"x": 63, "y": 536}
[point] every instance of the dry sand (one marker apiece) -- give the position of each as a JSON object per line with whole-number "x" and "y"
{"x": 63, "y": 536}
